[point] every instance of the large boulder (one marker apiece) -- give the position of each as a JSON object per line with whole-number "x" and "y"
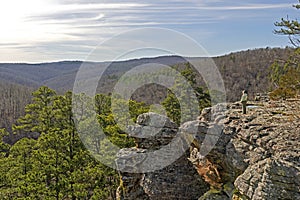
{"x": 176, "y": 180}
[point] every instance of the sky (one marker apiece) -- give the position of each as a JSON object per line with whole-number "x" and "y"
{"x": 35, "y": 31}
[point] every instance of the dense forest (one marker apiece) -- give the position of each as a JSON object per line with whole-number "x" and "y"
{"x": 57, "y": 165}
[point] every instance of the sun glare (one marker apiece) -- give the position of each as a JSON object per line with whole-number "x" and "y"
{"x": 15, "y": 20}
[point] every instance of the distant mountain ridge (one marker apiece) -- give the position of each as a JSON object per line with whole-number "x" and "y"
{"x": 61, "y": 75}
{"x": 240, "y": 70}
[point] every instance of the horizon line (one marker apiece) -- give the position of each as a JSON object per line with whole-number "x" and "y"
{"x": 146, "y": 57}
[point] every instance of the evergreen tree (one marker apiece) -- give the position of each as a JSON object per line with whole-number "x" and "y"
{"x": 19, "y": 174}
{"x": 5, "y": 186}
{"x": 183, "y": 101}
{"x": 289, "y": 27}
{"x": 38, "y": 115}
{"x": 285, "y": 75}
{"x": 4, "y": 148}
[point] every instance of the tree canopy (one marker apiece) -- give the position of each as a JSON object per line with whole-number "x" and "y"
{"x": 57, "y": 165}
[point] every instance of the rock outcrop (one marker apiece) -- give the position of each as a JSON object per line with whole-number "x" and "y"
{"x": 179, "y": 180}
{"x": 230, "y": 156}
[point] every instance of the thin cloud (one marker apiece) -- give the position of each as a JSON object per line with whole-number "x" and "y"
{"x": 100, "y": 16}
{"x": 248, "y": 7}
{"x": 80, "y": 24}
{"x": 95, "y": 6}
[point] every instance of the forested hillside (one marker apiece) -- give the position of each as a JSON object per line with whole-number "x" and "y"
{"x": 241, "y": 70}
{"x": 14, "y": 98}
{"x": 249, "y": 70}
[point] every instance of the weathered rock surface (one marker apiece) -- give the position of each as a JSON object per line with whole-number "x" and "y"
{"x": 179, "y": 180}
{"x": 231, "y": 156}
{"x": 258, "y": 153}
{"x": 271, "y": 143}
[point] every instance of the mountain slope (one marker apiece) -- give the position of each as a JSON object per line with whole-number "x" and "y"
{"x": 241, "y": 70}
{"x": 14, "y": 98}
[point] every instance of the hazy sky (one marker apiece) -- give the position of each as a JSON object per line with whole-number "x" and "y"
{"x": 52, "y": 30}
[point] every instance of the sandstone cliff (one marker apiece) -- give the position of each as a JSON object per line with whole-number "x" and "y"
{"x": 224, "y": 155}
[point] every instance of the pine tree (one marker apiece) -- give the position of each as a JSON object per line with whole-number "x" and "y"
{"x": 179, "y": 104}
{"x": 5, "y": 186}
{"x": 289, "y": 27}
{"x": 38, "y": 115}
{"x": 285, "y": 75}
{"x": 19, "y": 175}
{"x": 57, "y": 165}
